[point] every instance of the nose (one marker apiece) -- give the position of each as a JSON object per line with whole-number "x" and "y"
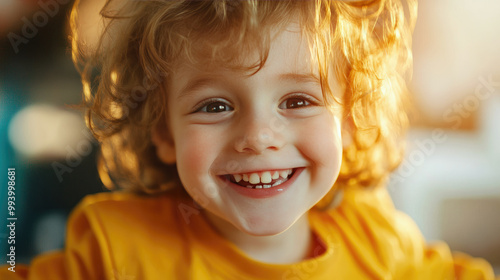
{"x": 259, "y": 133}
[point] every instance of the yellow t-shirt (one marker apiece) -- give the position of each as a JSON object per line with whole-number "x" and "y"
{"x": 128, "y": 237}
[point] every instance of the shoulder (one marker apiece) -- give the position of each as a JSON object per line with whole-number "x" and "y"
{"x": 371, "y": 211}
{"x": 112, "y": 214}
{"x": 114, "y": 235}
{"x": 119, "y": 231}
{"x": 118, "y": 207}
{"x": 385, "y": 241}
{"x": 127, "y": 227}
{"x": 389, "y": 245}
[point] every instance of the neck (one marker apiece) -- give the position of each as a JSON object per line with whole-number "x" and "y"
{"x": 290, "y": 246}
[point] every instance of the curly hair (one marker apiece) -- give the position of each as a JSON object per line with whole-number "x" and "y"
{"x": 366, "y": 43}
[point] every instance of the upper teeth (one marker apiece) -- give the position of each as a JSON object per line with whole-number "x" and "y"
{"x": 265, "y": 177}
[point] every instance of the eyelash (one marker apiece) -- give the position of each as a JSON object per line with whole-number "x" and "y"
{"x": 302, "y": 97}
{"x": 207, "y": 102}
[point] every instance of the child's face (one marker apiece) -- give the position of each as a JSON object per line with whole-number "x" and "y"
{"x": 226, "y": 126}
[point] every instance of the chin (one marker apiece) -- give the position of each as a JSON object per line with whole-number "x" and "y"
{"x": 265, "y": 231}
{"x": 260, "y": 227}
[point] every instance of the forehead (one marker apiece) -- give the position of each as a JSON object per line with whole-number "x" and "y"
{"x": 290, "y": 50}
{"x": 288, "y": 54}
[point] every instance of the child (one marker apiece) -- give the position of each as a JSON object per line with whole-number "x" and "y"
{"x": 227, "y": 123}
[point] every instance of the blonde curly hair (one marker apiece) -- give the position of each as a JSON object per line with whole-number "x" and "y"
{"x": 366, "y": 43}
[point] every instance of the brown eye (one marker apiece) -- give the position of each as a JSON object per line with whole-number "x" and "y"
{"x": 294, "y": 103}
{"x": 215, "y": 107}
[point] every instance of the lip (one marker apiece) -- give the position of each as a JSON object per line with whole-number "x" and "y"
{"x": 264, "y": 193}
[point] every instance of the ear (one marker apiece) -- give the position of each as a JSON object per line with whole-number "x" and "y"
{"x": 165, "y": 148}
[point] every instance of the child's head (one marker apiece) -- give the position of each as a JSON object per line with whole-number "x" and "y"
{"x": 210, "y": 91}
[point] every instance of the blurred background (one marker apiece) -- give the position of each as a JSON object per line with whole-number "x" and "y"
{"x": 40, "y": 135}
{"x": 449, "y": 182}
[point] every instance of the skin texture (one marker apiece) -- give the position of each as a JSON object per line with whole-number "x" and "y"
{"x": 273, "y": 120}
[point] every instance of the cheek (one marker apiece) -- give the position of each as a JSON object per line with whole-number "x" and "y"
{"x": 321, "y": 142}
{"x": 192, "y": 150}
{"x": 196, "y": 151}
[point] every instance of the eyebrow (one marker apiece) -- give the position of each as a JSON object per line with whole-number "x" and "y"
{"x": 198, "y": 84}
{"x": 206, "y": 81}
{"x": 299, "y": 78}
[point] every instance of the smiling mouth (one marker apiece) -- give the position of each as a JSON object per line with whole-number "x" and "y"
{"x": 261, "y": 180}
